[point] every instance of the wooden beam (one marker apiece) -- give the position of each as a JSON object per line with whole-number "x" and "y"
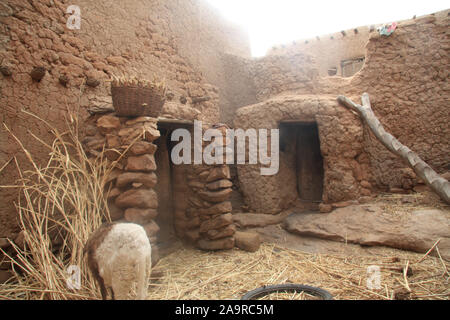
{"x": 438, "y": 184}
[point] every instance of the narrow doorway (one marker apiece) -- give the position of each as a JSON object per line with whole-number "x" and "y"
{"x": 171, "y": 185}
{"x": 302, "y": 139}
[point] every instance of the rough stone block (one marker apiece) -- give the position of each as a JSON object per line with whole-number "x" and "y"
{"x": 150, "y": 133}
{"x": 247, "y": 241}
{"x": 220, "y": 184}
{"x": 214, "y": 245}
{"x": 142, "y": 147}
{"x": 225, "y": 232}
{"x": 138, "y": 198}
{"x": 19, "y": 240}
{"x": 107, "y": 124}
{"x": 141, "y": 120}
{"x": 140, "y": 216}
{"x": 114, "y": 193}
{"x": 145, "y": 163}
{"x": 112, "y": 154}
{"x": 112, "y": 141}
{"x": 223, "y": 207}
{"x": 196, "y": 184}
{"x": 115, "y": 212}
{"x": 203, "y": 176}
{"x": 217, "y": 196}
{"x": 216, "y": 223}
{"x": 366, "y": 184}
{"x": 149, "y": 180}
{"x": 258, "y": 220}
{"x": 219, "y": 173}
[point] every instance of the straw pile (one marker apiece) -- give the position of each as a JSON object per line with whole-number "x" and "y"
{"x": 60, "y": 205}
{"x": 189, "y": 273}
{"x": 193, "y": 274}
{"x": 158, "y": 86}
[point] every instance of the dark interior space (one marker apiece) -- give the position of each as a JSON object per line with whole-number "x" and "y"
{"x": 302, "y": 138}
{"x": 171, "y": 180}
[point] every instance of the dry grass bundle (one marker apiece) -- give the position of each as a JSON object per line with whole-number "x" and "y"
{"x": 159, "y": 86}
{"x": 63, "y": 200}
{"x": 193, "y": 274}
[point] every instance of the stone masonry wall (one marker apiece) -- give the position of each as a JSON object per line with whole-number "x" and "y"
{"x": 202, "y": 212}
{"x": 208, "y": 221}
{"x": 128, "y": 143}
{"x": 129, "y": 37}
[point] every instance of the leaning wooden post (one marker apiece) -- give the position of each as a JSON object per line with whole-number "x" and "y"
{"x": 439, "y": 185}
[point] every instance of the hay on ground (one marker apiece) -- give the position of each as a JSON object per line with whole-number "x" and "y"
{"x": 192, "y": 274}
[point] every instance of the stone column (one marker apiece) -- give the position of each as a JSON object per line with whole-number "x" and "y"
{"x": 209, "y": 208}
{"x": 130, "y": 143}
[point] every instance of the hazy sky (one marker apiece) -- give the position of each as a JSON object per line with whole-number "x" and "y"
{"x": 272, "y": 22}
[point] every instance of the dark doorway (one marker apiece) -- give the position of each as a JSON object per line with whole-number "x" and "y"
{"x": 303, "y": 140}
{"x": 172, "y": 184}
{"x": 164, "y": 187}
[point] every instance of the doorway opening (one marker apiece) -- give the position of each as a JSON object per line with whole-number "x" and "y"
{"x": 172, "y": 184}
{"x": 302, "y": 138}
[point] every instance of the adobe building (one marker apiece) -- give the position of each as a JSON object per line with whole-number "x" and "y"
{"x": 327, "y": 156}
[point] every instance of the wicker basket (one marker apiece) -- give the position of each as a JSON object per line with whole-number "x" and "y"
{"x": 133, "y": 101}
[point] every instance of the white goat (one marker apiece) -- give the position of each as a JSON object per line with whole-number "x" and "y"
{"x": 119, "y": 255}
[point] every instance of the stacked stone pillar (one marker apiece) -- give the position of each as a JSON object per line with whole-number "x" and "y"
{"x": 209, "y": 208}
{"x": 129, "y": 143}
{"x": 202, "y": 210}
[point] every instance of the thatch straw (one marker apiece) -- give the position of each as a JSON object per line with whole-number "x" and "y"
{"x": 63, "y": 200}
{"x": 193, "y": 274}
{"x": 159, "y": 86}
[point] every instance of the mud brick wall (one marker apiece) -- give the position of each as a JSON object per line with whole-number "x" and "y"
{"x": 275, "y": 74}
{"x": 255, "y": 80}
{"x": 406, "y": 76}
{"x": 239, "y": 90}
{"x": 180, "y": 41}
{"x": 331, "y": 49}
{"x": 346, "y": 165}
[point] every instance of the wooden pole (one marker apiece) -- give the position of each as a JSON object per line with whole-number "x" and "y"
{"x": 439, "y": 185}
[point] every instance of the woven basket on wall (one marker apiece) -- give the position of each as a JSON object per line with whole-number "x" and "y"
{"x": 134, "y": 101}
